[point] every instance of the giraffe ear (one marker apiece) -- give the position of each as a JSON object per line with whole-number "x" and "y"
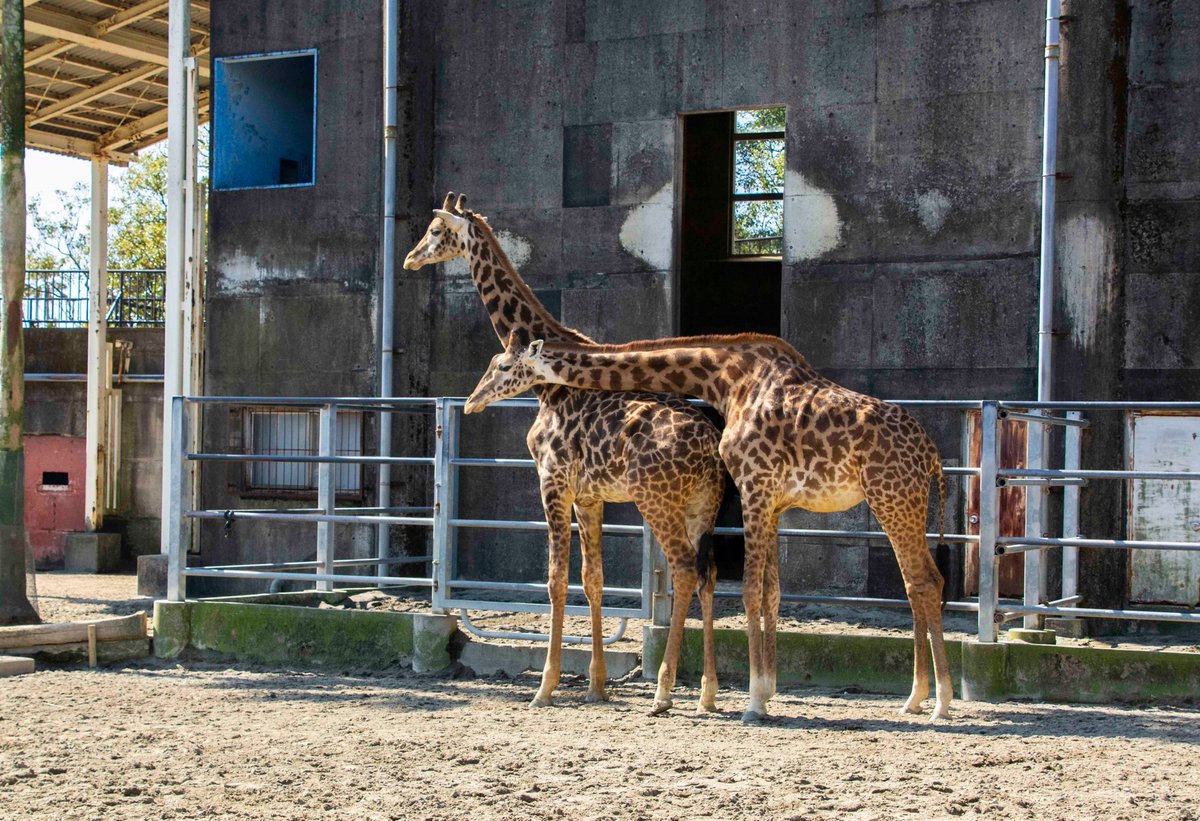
{"x": 453, "y": 220}
{"x": 535, "y": 348}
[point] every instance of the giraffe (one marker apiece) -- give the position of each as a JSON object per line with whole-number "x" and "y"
{"x": 657, "y": 451}
{"x": 792, "y": 439}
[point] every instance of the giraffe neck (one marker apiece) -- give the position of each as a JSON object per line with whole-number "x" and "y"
{"x": 510, "y": 303}
{"x": 716, "y": 369}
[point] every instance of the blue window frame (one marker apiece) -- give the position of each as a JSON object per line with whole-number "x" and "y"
{"x": 264, "y": 120}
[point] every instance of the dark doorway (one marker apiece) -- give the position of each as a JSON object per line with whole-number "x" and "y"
{"x": 731, "y": 269}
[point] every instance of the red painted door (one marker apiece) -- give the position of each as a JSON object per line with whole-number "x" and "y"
{"x": 54, "y": 499}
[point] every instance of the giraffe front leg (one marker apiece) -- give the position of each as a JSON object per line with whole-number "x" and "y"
{"x": 683, "y": 580}
{"x": 591, "y": 520}
{"x": 558, "y": 515}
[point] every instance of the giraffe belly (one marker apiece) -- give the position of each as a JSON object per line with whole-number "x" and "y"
{"x": 811, "y": 492}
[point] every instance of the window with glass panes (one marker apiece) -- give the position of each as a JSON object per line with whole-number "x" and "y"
{"x": 757, "y": 201}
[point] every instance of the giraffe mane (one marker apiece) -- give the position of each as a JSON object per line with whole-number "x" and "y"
{"x": 707, "y": 340}
{"x": 567, "y": 334}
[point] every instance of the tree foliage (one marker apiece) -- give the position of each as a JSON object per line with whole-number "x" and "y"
{"x": 758, "y": 169}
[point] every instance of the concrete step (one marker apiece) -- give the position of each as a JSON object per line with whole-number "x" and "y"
{"x": 487, "y": 658}
{"x": 15, "y": 666}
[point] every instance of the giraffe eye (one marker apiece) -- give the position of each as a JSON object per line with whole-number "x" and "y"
{"x": 504, "y": 366}
{"x": 435, "y": 233}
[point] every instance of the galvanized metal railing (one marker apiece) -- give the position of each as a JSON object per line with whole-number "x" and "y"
{"x": 59, "y": 298}
{"x": 653, "y": 595}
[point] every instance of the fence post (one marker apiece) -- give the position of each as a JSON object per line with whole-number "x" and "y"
{"x": 176, "y": 553}
{"x": 989, "y": 519}
{"x": 326, "y": 492}
{"x": 441, "y": 508}
{"x": 1070, "y": 555}
{"x": 1036, "y": 496}
{"x": 656, "y": 601}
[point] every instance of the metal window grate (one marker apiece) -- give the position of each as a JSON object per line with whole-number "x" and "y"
{"x": 296, "y": 433}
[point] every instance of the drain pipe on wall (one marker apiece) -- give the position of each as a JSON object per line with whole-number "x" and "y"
{"x": 391, "y": 33}
{"x": 1036, "y": 508}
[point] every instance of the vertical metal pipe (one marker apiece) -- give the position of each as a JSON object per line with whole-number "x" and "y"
{"x": 174, "y": 509}
{"x": 1049, "y": 169}
{"x": 1036, "y": 498}
{"x": 989, "y": 519}
{"x": 179, "y": 48}
{"x": 97, "y": 352}
{"x": 1072, "y": 460}
{"x": 326, "y": 492}
{"x": 391, "y": 32}
{"x": 441, "y": 512}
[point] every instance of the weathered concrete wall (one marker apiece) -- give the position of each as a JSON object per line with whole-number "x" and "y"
{"x": 911, "y": 206}
{"x": 60, "y": 409}
{"x": 293, "y": 272}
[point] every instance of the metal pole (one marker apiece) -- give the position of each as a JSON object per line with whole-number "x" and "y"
{"x": 441, "y": 512}
{"x": 174, "y": 510}
{"x": 179, "y": 47}
{"x": 1049, "y": 170}
{"x": 391, "y": 34}
{"x": 1070, "y": 530}
{"x": 326, "y": 493}
{"x": 989, "y": 520}
{"x": 98, "y": 362}
{"x": 1036, "y": 497}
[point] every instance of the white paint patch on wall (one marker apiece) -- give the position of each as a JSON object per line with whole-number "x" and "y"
{"x": 241, "y": 273}
{"x": 648, "y": 232}
{"x": 517, "y": 248}
{"x": 932, "y": 209}
{"x": 1086, "y": 254}
{"x": 811, "y": 226}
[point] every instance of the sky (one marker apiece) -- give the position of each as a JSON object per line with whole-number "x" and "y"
{"x": 46, "y": 173}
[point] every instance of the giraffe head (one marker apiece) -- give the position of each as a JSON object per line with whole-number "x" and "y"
{"x": 446, "y": 236}
{"x": 513, "y": 372}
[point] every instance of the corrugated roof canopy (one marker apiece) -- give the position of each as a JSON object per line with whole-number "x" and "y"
{"x": 96, "y": 74}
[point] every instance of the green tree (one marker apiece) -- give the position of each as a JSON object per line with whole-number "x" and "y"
{"x": 758, "y": 169}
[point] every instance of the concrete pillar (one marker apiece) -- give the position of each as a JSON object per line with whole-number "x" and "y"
{"x": 98, "y": 368}
{"x": 431, "y": 642}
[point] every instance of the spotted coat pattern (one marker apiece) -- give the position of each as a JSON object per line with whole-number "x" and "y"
{"x": 792, "y": 439}
{"x": 656, "y": 451}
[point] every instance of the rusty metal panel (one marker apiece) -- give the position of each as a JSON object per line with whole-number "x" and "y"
{"x": 1167, "y": 511}
{"x": 1011, "y": 571}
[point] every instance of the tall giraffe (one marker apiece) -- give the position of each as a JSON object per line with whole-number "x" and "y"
{"x": 657, "y": 451}
{"x": 792, "y": 439}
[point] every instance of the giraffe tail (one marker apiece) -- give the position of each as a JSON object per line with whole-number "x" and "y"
{"x": 942, "y": 554}
{"x": 706, "y": 561}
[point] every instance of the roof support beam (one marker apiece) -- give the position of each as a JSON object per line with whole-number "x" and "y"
{"x": 123, "y": 44}
{"x": 89, "y": 94}
{"x": 74, "y": 146}
{"x": 150, "y": 124}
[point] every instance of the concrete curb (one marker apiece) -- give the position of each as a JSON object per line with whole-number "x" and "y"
{"x": 981, "y": 672}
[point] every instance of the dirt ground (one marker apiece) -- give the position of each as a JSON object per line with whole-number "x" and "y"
{"x": 194, "y": 739}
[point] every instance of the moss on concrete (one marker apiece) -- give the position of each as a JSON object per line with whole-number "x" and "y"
{"x": 271, "y": 634}
{"x": 172, "y": 628}
{"x": 981, "y": 672}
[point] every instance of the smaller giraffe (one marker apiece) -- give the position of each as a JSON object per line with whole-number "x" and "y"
{"x": 667, "y": 464}
{"x": 792, "y": 439}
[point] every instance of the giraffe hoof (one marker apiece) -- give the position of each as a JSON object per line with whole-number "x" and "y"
{"x": 542, "y": 701}
{"x": 597, "y": 696}
{"x": 706, "y": 707}
{"x": 940, "y": 714}
{"x": 911, "y": 707}
{"x": 753, "y": 717}
{"x": 661, "y": 707}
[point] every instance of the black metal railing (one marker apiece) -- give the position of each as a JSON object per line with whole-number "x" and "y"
{"x": 59, "y": 298}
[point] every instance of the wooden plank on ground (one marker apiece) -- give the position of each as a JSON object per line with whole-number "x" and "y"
{"x": 15, "y": 666}
{"x": 115, "y": 629}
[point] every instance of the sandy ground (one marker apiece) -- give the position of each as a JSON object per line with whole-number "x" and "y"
{"x": 198, "y": 740}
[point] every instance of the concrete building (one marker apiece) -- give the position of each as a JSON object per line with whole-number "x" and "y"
{"x": 597, "y": 136}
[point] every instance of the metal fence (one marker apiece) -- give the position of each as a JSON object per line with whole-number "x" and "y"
{"x": 59, "y": 298}
{"x": 448, "y": 591}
